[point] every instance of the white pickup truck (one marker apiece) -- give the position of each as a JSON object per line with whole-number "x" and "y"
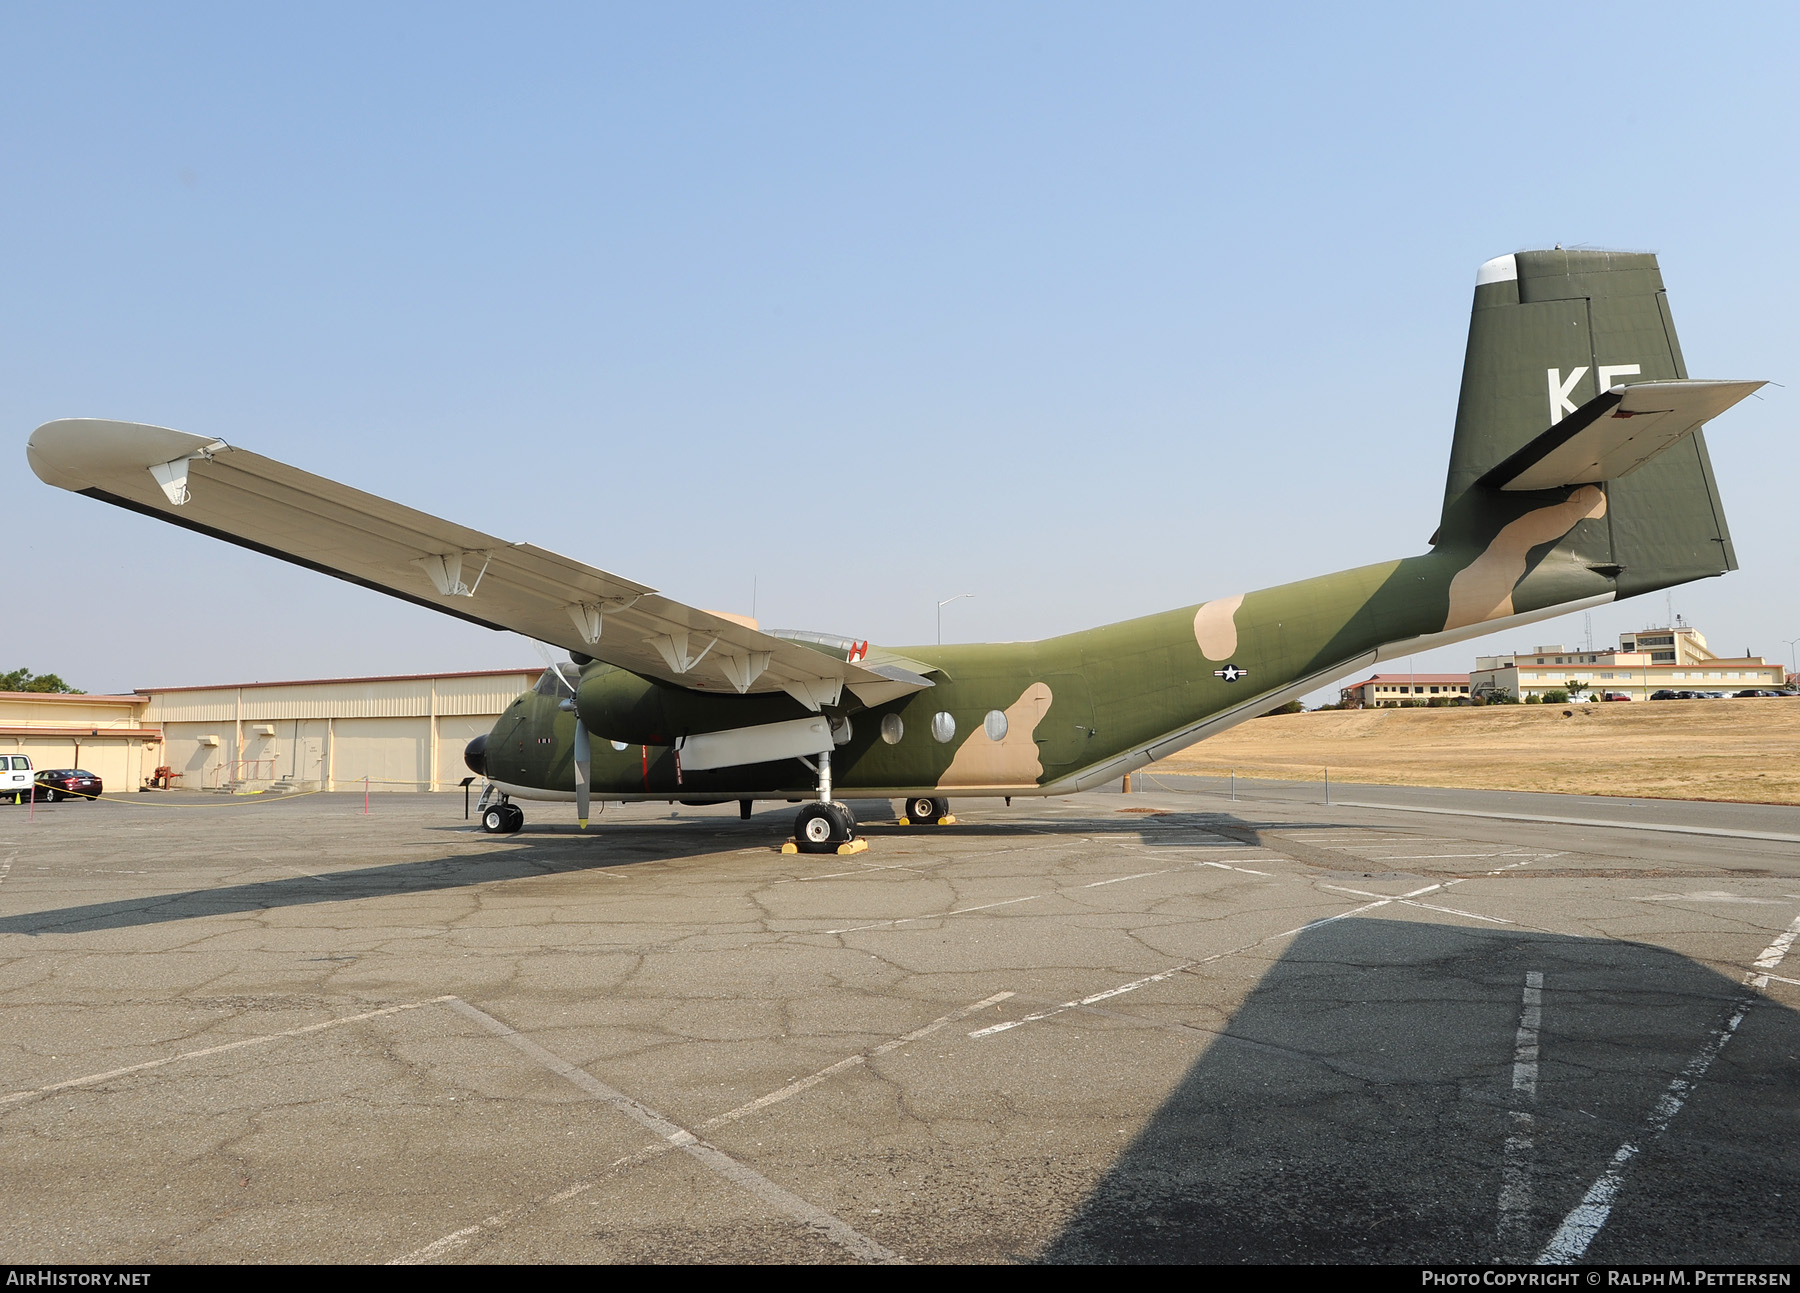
{"x": 15, "y": 778}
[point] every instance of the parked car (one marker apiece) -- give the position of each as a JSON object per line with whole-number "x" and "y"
{"x": 1763, "y": 691}
{"x": 15, "y": 777}
{"x": 1665, "y": 694}
{"x": 68, "y": 783}
{"x": 1614, "y": 695}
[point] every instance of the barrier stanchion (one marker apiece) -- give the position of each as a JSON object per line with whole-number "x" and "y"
{"x": 1328, "y": 785}
{"x": 365, "y": 796}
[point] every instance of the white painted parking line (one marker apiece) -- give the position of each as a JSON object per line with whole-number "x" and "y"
{"x": 1246, "y": 870}
{"x": 457, "y": 1238}
{"x": 795, "y": 1088}
{"x": 1774, "y": 952}
{"x": 1525, "y": 1043}
{"x": 1121, "y": 879}
{"x": 1515, "y": 1167}
{"x": 1438, "y": 857}
{"x": 1536, "y": 857}
{"x": 92, "y": 1078}
{"x": 1572, "y": 1239}
{"x": 1160, "y": 975}
{"x": 908, "y": 920}
{"x": 989, "y": 906}
{"x": 1660, "y": 827}
{"x": 748, "y": 1178}
{"x": 1457, "y": 911}
{"x": 1086, "y": 1001}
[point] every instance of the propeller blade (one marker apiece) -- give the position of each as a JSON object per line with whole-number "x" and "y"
{"x": 584, "y": 763}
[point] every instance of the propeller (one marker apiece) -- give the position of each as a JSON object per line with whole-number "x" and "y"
{"x": 583, "y": 765}
{"x": 584, "y": 757}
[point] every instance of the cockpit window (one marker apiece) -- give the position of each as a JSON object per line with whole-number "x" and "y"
{"x": 560, "y": 680}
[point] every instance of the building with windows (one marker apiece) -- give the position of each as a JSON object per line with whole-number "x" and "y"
{"x": 1679, "y": 645}
{"x": 1397, "y": 688}
{"x": 1645, "y": 662}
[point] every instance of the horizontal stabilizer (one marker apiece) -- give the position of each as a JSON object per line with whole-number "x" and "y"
{"x": 1615, "y": 433}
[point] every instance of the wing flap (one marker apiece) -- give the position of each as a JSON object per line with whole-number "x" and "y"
{"x": 1616, "y": 432}
{"x": 282, "y": 511}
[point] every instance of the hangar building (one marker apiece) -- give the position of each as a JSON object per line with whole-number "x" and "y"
{"x": 106, "y": 735}
{"x": 403, "y": 732}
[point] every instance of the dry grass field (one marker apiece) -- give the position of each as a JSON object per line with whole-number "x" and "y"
{"x": 1746, "y": 750}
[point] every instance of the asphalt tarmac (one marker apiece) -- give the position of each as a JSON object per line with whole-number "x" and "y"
{"x": 1410, "y": 1026}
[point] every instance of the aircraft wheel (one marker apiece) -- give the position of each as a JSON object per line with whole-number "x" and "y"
{"x": 515, "y": 818}
{"x": 495, "y": 820}
{"x": 925, "y": 811}
{"x": 820, "y": 828}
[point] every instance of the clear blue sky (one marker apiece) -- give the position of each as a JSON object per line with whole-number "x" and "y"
{"x": 1088, "y": 310}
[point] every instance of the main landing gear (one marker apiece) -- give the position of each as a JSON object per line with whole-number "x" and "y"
{"x": 825, "y": 826}
{"x": 924, "y": 811}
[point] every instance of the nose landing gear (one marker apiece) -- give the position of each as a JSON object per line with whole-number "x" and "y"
{"x": 499, "y": 815}
{"x": 502, "y": 819}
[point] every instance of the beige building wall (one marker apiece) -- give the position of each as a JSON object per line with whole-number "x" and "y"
{"x": 105, "y": 735}
{"x": 402, "y": 733}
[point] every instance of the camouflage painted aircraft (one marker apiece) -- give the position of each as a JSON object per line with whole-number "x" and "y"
{"x": 1578, "y": 475}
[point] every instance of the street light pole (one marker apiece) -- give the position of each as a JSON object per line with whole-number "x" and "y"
{"x": 946, "y": 602}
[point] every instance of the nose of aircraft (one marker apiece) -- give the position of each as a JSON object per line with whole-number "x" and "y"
{"x": 475, "y": 755}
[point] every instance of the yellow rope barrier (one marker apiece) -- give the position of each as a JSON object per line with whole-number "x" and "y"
{"x": 236, "y": 801}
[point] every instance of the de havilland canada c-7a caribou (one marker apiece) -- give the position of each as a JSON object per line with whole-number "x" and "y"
{"x": 1578, "y": 475}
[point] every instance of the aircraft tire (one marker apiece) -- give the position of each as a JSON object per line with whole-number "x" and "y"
{"x": 940, "y": 807}
{"x": 494, "y": 820}
{"x": 820, "y": 828}
{"x": 922, "y": 809}
{"x": 515, "y": 818}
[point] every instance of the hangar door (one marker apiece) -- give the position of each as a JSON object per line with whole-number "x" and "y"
{"x": 393, "y": 753}
{"x": 454, "y": 732}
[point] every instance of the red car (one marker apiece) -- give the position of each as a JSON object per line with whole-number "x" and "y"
{"x": 67, "y": 783}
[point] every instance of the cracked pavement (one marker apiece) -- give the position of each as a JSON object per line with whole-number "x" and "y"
{"x": 1164, "y": 1027}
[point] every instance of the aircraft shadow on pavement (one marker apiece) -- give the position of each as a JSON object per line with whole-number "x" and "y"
{"x": 1359, "y": 1105}
{"x": 537, "y": 853}
{"x": 540, "y": 849}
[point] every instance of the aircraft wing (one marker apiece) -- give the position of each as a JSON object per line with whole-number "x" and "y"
{"x": 267, "y": 506}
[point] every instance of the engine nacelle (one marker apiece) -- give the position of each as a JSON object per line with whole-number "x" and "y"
{"x": 617, "y": 705}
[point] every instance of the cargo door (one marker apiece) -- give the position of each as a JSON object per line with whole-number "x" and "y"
{"x": 1065, "y": 734}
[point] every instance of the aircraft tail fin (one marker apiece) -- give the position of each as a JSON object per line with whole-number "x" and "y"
{"x": 1551, "y": 335}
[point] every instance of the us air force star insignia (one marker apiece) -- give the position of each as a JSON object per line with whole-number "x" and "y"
{"x": 1230, "y": 673}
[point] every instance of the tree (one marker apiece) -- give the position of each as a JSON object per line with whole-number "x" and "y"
{"x": 25, "y": 680}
